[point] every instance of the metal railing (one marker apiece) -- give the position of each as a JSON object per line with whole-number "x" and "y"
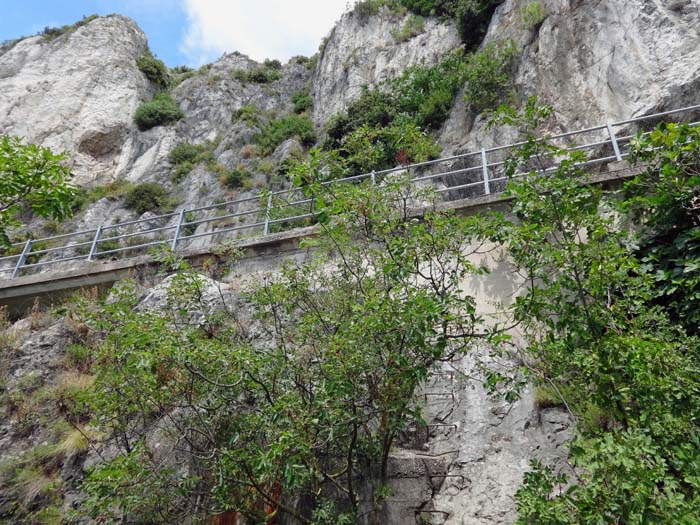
{"x": 460, "y": 176}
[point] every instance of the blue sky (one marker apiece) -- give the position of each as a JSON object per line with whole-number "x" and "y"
{"x": 193, "y": 32}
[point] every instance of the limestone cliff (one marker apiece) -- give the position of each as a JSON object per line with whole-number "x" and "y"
{"x": 592, "y": 60}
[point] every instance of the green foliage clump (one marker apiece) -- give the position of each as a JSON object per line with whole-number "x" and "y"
{"x": 424, "y": 93}
{"x": 181, "y": 73}
{"x": 259, "y": 75}
{"x": 402, "y": 142}
{"x": 155, "y": 70}
{"x": 249, "y": 113}
{"x": 51, "y": 33}
{"x": 147, "y": 196}
{"x": 32, "y": 178}
{"x": 365, "y": 9}
{"x": 533, "y": 14}
{"x": 86, "y": 196}
{"x": 277, "y": 131}
{"x": 184, "y": 157}
{"x": 235, "y": 178}
{"x": 413, "y": 26}
{"x": 265, "y": 434}
{"x": 471, "y": 16}
{"x": 160, "y": 111}
{"x": 185, "y": 152}
{"x": 665, "y": 199}
{"x": 302, "y": 101}
{"x": 489, "y": 77}
{"x": 595, "y": 333}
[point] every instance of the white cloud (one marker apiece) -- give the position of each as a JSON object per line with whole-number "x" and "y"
{"x": 258, "y": 28}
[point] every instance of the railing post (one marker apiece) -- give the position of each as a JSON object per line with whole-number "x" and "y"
{"x": 95, "y": 241}
{"x": 23, "y": 257}
{"x": 267, "y": 214}
{"x": 180, "y": 220}
{"x": 613, "y": 140}
{"x": 374, "y": 178}
{"x": 485, "y": 169}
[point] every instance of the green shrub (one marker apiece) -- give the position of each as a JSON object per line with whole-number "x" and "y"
{"x": 157, "y": 112}
{"x": 471, "y": 16}
{"x": 235, "y": 178}
{"x": 181, "y": 73}
{"x": 250, "y": 114}
{"x": 154, "y": 69}
{"x": 272, "y": 64}
{"x": 51, "y": 33}
{"x": 181, "y": 171}
{"x": 365, "y": 9}
{"x": 258, "y": 75}
{"x": 413, "y": 26}
{"x": 113, "y": 190}
{"x": 403, "y": 142}
{"x": 489, "y": 77}
{"x": 278, "y": 131}
{"x": 145, "y": 197}
{"x": 302, "y": 102}
{"x": 533, "y": 14}
{"x": 185, "y": 152}
{"x": 425, "y": 92}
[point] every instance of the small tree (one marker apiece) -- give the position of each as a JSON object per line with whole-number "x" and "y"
{"x": 287, "y": 414}
{"x": 594, "y": 336}
{"x": 34, "y": 178}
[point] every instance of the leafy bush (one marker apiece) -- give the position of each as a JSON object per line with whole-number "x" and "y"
{"x": 489, "y": 79}
{"x": 413, "y": 26}
{"x": 184, "y": 157}
{"x": 365, "y": 9}
{"x": 113, "y": 190}
{"x": 272, "y": 63}
{"x": 471, "y": 16}
{"x": 532, "y": 15}
{"x": 235, "y": 178}
{"x": 257, "y": 75}
{"x": 154, "y": 69}
{"x": 302, "y": 102}
{"x": 250, "y": 114}
{"x": 403, "y": 142}
{"x": 278, "y": 131}
{"x": 148, "y": 196}
{"x": 51, "y": 33}
{"x": 426, "y": 93}
{"x": 32, "y": 178}
{"x": 185, "y": 152}
{"x": 157, "y": 112}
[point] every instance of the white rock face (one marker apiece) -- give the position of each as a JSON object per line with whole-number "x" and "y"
{"x": 594, "y": 62}
{"x": 364, "y": 52}
{"x": 76, "y": 93}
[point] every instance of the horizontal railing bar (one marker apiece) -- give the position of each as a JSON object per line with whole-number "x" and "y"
{"x": 137, "y": 234}
{"x": 445, "y": 174}
{"x": 221, "y": 217}
{"x": 223, "y": 204}
{"x": 139, "y": 221}
{"x": 293, "y": 218}
{"x": 222, "y": 230}
{"x": 135, "y": 247}
{"x": 8, "y": 257}
{"x": 622, "y": 140}
{"x": 54, "y": 237}
{"x": 54, "y": 261}
{"x": 656, "y": 115}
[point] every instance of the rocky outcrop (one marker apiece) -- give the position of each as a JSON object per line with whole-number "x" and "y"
{"x": 593, "y": 62}
{"x": 77, "y": 93}
{"x": 365, "y": 51}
